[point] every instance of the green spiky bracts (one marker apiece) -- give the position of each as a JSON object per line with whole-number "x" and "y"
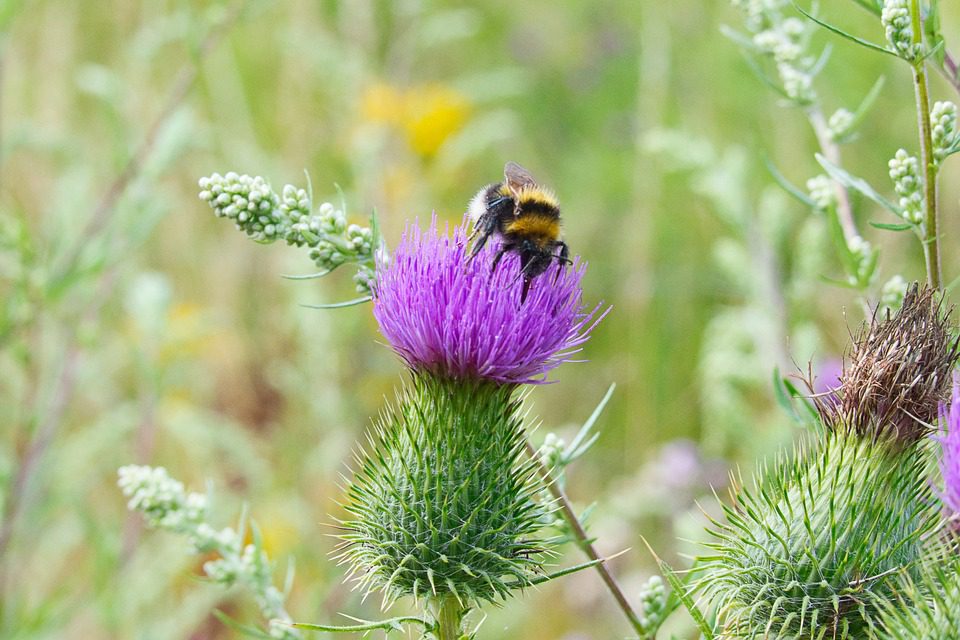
{"x": 442, "y": 501}
{"x": 820, "y": 542}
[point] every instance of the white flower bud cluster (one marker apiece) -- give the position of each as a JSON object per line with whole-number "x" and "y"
{"x": 165, "y": 504}
{"x": 551, "y": 451}
{"x": 266, "y": 217}
{"x": 782, "y": 41}
{"x": 840, "y": 123}
{"x": 893, "y": 292}
{"x": 797, "y": 83}
{"x": 758, "y": 12}
{"x": 822, "y": 192}
{"x": 247, "y": 200}
{"x": 895, "y": 18}
{"x": 943, "y": 123}
{"x": 653, "y": 604}
{"x": 905, "y": 173}
{"x": 862, "y": 252}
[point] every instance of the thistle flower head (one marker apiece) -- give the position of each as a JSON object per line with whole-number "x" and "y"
{"x": 950, "y": 450}
{"x": 899, "y": 372}
{"x": 457, "y": 318}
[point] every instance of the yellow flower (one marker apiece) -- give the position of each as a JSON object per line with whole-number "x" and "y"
{"x": 428, "y": 115}
{"x": 434, "y": 113}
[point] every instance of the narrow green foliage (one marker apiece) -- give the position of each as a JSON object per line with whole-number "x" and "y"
{"x": 815, "y": 545}
{"x": 442, "y": 502}
{"x": 926, "y": 606}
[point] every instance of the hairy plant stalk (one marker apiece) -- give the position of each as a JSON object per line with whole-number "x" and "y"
{"x": 449, "y": 618}
{"x": 583, "y": 541}
{"x": 931, "y": 243}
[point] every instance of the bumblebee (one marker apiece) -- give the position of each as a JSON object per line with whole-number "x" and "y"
{"x": 526, "y": 216}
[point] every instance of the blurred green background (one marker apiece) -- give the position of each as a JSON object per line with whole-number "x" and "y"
{"x": 136, "y": 327}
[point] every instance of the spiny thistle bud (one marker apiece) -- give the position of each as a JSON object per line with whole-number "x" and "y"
{"x": 899, "y": 372}
{"x": 927, "y": 605}
{"x": 943, "y": 120}
{"x": 905, "y": 173}
{"x": 895, "y": 19}
{"x": 813, "y": 546}
{"x": 442, "y": 503}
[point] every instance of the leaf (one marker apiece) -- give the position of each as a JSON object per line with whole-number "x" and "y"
{"x": 861, "y": 113}
{"x": 848, "y": 36}
{"x": 788, "y": 186}
{"x": 681, "y": 590}
{"x": 557, "y": 574}
{"x": 890, "y": 226}
{"x": 578, "y": 447}
{"x": 339, "y": 305}
{"x": 857, "y": 184}
{"x": 739, "y": 38}
{"x": 243, "y": 629}
{"x": 764, "y": 78}
{"x": 392, "y": 624}
{"x": 871, "y": 6}
{"x": 310, "y": 276}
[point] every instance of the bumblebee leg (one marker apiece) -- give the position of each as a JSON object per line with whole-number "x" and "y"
{"x": 496, "y": 259}
{"x": 526, "y": 288}
{"x": 562, "y": 258}
{"x": 485, "y": 227}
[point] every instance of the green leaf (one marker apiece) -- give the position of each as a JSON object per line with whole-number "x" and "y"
{"x": 889, "y": 226}
{"x": 764, "y": 78}
{"x": 865, "y": 105}
{"x": 580, "y": 444}
{"x": 848, "y": 36}
{"x": 339, "y": 305}
{"x": 872, "y": 6}
{"x": 857, "y": 184}
{"x": 681, "y": 590}
{"x": 788, "y": 186}
{"x": 556, "y": 574}
{"x": 239, "y": 627}
{"x": 737, "y": 37}
{"x": 392, "y": 624}
{"x": 311, "y": 276}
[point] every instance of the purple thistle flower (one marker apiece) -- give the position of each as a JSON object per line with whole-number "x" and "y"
{"x": 950, "y": 450}
{"x": 457, "y": 318}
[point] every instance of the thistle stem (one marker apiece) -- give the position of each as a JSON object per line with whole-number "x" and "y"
{"x": 583, "y": 541}
{"x": 449, "y": 616}
{"x": 931, "y": 243}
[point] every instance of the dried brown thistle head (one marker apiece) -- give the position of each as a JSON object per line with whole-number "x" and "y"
{"x": 898, "y": 372}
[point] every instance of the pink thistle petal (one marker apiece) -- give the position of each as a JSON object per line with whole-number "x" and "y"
{"x": 443, "y": 314}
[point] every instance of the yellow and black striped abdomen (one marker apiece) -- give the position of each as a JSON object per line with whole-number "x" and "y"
{"x": 541, "y": 228}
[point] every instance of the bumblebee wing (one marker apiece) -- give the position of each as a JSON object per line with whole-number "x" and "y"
{"x": 517, "y": 177}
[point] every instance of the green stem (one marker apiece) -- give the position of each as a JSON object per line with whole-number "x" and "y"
{"x": 583, "y": 541}
{"x": 449, "y": 616}
{"x": 931, "y": 243}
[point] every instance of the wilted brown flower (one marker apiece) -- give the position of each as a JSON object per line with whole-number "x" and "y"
{"x": 898, "y": 372}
